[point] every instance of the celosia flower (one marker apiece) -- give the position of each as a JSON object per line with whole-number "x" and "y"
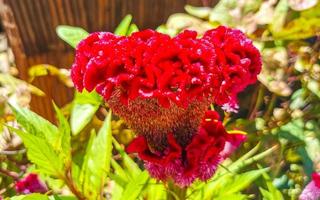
{"x": 166, "y": 84}
{"x": 312, "y": 190}
{"x": 162, "y": 87}
{"x": 30, "y": 184}
{"x": 198, "y": 159}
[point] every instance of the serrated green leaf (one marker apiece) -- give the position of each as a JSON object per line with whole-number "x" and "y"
{"x": 135, "y": 187}
{"x": 123, "y": 27}
{"x": 84, "y": 107}
{"x": 71, "y": 34}
{"x": 42, "y": 154}
{"x": 98, "y": 160}
{"x": 35, "y": 124}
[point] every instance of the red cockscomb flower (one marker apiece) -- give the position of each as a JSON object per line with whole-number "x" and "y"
{"x": 176, "y": 70}
{"x": 30, "y": 184}
{"x": 160, "y": 84}
{"x": 197, "y": 160}
{"x": 239, "y": 61}
{"x": 312, "y": 190}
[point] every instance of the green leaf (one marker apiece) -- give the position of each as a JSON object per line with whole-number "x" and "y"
{"x": 240, "y": 182}
{"x": 135, "y": 187}
{"x": 133, "y": 28}
{"x": 313, "y": 85}
{"x": 299, "y": 28}
{"x": 64, "y": 139}
{"x": 35, "y": 124}
{"x": 71, "y": 35}
{"x": 84, "y": 107}
{"x": 221, "y": 12}
{"x": 155, "y": 190}
{"x": 200, "y": 12}
{"x": 98, "y": 160}
{"x": 124, "y": 25}
{"x": 279, "y": 16}
{"x": 41, "y": 153}
{"x": 30, "y": 197}
{"x": 273, "y": 192}
{"x": 84, "y": 178}
{"x": 232, "y": 197}
{"x": 56, "y": 197}
{"x": 119, "y": 171}
{"x": 129, "y": 164}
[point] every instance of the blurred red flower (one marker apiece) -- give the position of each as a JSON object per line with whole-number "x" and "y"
{"x": 30, "y": 184}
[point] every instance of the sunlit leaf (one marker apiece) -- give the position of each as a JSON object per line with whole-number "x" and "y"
{"x": 272, "y": 192}
{"x": 135, "y": 187}
{"x": 44, "y": 69}
{"x": 35, "y": 124}
{"x": 123, "y": 27}
{"x": 84, "y": 108}
{"x": 31, "y": 197}
{"x": 221, "y": 12}
{"x": 71, "y": 35}
{"x": 201, "y": 12}
{"x": 232, "y": 197}
{"x": 133, "y": 28}
{"x": 241, "y": 181}
{"x": 64, "y": 139}
{"x": 129, "y": 164}
{"x": 279, "y": 16}
{"x": 98, "y": 160}
{"x": 42, "y": 154}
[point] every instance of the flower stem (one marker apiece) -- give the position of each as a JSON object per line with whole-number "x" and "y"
{"x": 176, "y": 192}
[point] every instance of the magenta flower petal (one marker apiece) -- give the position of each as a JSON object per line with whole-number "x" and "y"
{"x": 30, "y": 184}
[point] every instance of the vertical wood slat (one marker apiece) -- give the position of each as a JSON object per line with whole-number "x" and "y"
{"x": 30, "y": 26}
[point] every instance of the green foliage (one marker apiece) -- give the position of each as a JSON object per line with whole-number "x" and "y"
{"x": 124, "y": 26}
{"x": 272, "y": 192}
{"x": 71, "y": 35}
{"x": 84, "y": 107}
{"x": 97, "y": 161}
{"x": 52, "y": 155}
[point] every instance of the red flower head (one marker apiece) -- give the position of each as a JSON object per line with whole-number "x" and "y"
{"x": 239, "y": 61}
{"x": 30, "y": 184}
{"x": 160, "y": 84}
{"x": 197, "y": 160}
{"x": 312, "y": 190}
